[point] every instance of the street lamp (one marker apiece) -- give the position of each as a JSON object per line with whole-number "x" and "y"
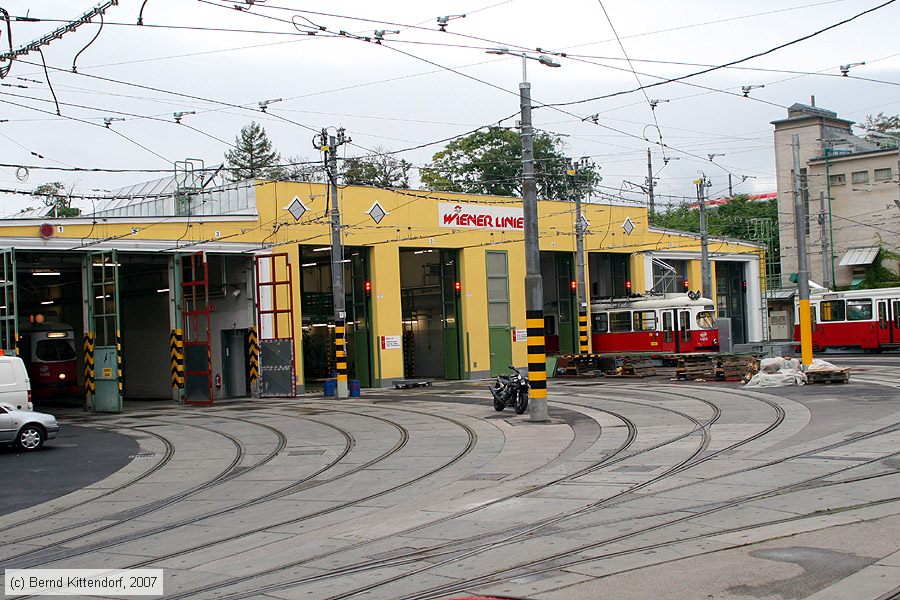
{"x": 534, "y": 287}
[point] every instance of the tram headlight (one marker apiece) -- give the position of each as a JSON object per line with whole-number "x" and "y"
{"x": 62, "y": 376}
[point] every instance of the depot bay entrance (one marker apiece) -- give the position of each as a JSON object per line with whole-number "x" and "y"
{"x": 433, "y": 345}
{"x": 317, "y": 308}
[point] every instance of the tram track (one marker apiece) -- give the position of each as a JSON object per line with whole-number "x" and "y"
{"x": 533, "y": 566}
{"x": 699, "y": 426}
{"x": 451, "y": 548}
{"x": 472, "y": 438}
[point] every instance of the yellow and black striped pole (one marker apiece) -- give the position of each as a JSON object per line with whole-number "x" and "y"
{"x": 537, "y": 355}
{"x": 253, "y": 354}
{"x": 176, "y": 356}
{"x": 583, "y": 347}
{"x": 119, "y": 362}
{"x": 88, "y": 350}
{"x": 340, "y": 358}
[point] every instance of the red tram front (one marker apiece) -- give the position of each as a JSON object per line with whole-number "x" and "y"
{"x": 668, "y": 323}
{"x": 48, "y": 350}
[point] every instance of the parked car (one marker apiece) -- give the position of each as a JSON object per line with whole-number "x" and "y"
{"x": 26, "y": 429}
{"x": 15, "y": 387}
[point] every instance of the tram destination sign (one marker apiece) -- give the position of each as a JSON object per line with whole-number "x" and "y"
{"x": 475, "y": 216}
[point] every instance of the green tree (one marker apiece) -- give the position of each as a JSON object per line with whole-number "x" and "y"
{"x": 731, "y": 219}
{"x": 883, "y": 123}
{"x": 490, "y": 162}
{"x": 303, "y": 169}
{"x": 380, "y": 169}
{"x": 253, "y": 156}
{"x": 55, "y": 196}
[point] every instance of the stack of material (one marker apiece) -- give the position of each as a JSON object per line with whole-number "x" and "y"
{"x": 734, "y": 367}
{"x": 775, "y": 372}
{"x": 695, "y": 366}
{"x": 636, "y": 366}
{"x": 825, "y": 372}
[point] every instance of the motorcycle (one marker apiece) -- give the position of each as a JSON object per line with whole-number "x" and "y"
{"x": 511, "y": 390}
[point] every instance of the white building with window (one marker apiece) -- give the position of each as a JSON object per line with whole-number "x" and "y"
{"x": 852, "y": 197}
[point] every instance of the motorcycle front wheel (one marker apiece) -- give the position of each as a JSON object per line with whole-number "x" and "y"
{"x": 522, "y": 402}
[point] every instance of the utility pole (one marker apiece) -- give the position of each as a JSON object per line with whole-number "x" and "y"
{"x": 730, "y": 188}
{"x": 802, "y": 267}
{"x": 705, "y": 269}
{"x": 329, "y": 144}
{"x": 584, "y": 164}
{"x": 826, "y": 272}
{"x": 534, "y": 286}
{"x": 650, "y": 188}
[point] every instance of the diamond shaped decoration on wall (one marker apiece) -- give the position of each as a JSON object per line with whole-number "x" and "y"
{"x": 377, "y": 212}
{"x": 297, "y": 208}
{"x": 628, "y": 226}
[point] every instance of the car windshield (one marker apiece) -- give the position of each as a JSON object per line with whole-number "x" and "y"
{"x": 706, "y": 320}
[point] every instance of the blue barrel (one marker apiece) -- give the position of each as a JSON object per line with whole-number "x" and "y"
{"x": 331, "y": 387}
{"x": 355, "y": 388}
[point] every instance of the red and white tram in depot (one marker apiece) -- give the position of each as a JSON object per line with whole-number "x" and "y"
{"x": 48, "y": 350}
{"x": 855, "y": 319}
{"x": 665, "y": 323}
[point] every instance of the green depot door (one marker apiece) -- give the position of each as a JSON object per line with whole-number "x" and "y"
{"x": 499, "y": 331}
{"x": 452, "y": 327}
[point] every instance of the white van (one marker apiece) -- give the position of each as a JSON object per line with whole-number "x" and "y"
{"x": 15, "y": 387}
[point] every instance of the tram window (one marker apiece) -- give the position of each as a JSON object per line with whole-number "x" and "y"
{"x": 620, "y": 322}
{"x": 644, "y": 320}
{"x": 706, "y": 320}
{"x": 897, "y": 313}
{"x": 831, "y": 310}
{"x": 53, "y": 350}
{"x": 859, "y": 310}
{"x": 601, "y": 323}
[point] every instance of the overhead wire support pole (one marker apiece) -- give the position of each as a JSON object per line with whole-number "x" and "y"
{"x": 581, "y": 291}
{"x": 802, "y": 266}
{"x": 534, "y": 286}
{"x": 826, "y": 271}
{"x": 650, "y": 196}
{"x": 329, "y": 144}
{"x": 705, "y": 268}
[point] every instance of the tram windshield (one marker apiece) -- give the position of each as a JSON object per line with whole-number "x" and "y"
{"x": 706, "y": 320}
{"x": 54, "y": 350}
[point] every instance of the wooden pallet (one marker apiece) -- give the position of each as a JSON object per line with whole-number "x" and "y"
{"x": 735, "y": 367}
{"x": 695, "y": 367}
{"x": 838, "y": 375}
{"x": 636, "y": 367}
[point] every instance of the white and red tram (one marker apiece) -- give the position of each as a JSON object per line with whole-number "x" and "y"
{"x": 865, "y": 319}
{"x": 668, "y": 323}
{"x": 48, "y": 350}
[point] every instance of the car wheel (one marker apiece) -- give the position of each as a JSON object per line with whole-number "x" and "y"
{"x": 31, "y": 437}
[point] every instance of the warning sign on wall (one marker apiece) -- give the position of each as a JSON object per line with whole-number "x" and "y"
{"x": 391, "y": 342}
{"x": 520, "y": 335}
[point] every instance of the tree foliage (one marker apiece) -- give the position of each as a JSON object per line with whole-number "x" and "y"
{"x": 490, "y": 162}
{"x": 55, "y": 196}
{"x": 732, "y": 219}
{"x": 883, "y": 123}
{"x": 253, "y": 157}
{"x": 380, "y": 170}
{"x": 879, "y": 276}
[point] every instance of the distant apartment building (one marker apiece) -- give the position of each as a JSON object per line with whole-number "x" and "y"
{"x": 850, "y": 196}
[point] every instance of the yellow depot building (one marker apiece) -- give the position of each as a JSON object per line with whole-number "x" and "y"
{"x": 198, "y": 294}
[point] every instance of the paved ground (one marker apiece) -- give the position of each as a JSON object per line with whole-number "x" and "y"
{"x": 635, "y": 489}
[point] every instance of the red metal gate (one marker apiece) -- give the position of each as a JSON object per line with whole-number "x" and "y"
{"x": 198, "y": 385}
{"x": 275, "y": 314}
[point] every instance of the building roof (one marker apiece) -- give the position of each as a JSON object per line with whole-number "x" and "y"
{"x": 799, "y": 111}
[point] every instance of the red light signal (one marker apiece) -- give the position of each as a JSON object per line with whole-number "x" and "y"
{"x": 367, "y": 286}
{"x": 628, "y": 285}
{"x": 457, "y": 287}
{"x": 686, "y": 284}
{"x": 574, "y": 285}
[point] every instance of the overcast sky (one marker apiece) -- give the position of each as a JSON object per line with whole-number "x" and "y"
{"x": 421, "y": 85}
